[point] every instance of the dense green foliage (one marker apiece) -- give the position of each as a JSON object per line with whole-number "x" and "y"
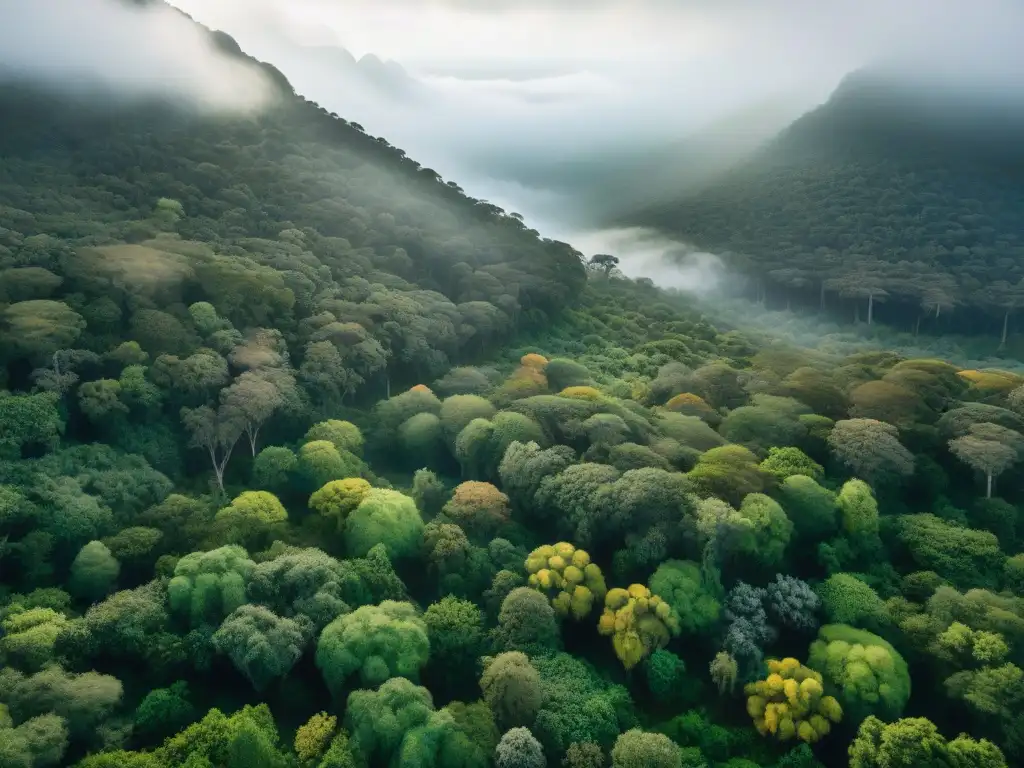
{"x": 888, "y": 202}
{"x": 614, "y": 534}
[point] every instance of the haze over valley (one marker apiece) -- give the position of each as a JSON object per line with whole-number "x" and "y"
{"x": 555, "y": 110}
{"x": 511, "y": 384}
{"x": 576, "y": 115}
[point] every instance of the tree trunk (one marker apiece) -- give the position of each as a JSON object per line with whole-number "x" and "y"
{"x": 1006, "y": 326}
{"x": 218, "y": 468}
{"x": 937, "y": 307}
{"x": 871, "y": 307}
{"x": 988, "y": 489}
{"x": 253, "y": 435}
{"x": 917, "y": 326}
{"x": 821, "y": 298}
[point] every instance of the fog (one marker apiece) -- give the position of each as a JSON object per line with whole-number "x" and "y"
{"x": 123, "y": 49}
{"x": 645, "y": 253}
{"x": 571, "y": 112}
{"x": 566, "y": 111}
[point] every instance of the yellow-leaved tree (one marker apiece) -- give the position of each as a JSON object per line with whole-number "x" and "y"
{"x": 567, "y": 577}
{"x": 638, "y": 622}
{"x": 790, "y": 703}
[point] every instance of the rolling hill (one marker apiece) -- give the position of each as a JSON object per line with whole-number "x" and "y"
{"x": 892, "y": 190}
{"x": 308, "y": 220}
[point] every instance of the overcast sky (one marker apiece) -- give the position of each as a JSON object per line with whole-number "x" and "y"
{"x": 429, "y": 32}
{"x": 523, "y": 99}
{"x": 71, "y": 43}
{"x": 517, "y": 84}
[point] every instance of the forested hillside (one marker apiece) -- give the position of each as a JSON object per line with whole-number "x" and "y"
{"x": 891, "y": 201}
{"x": 309, "y": 461}
{"x": 285, "y": 220}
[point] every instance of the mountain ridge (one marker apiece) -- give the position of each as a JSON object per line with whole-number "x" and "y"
{"x": 387, "y": 78}
{"x": 301, "y": 199}
{"x": 872, "y": 195}
{"x": 871, "y": 104}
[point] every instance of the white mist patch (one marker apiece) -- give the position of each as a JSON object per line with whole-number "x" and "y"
{"x": 546, "y": 93}
{"x": 507, "y": 93}
{"x": 645, "y": 253}
{"x": 127, "y": 50}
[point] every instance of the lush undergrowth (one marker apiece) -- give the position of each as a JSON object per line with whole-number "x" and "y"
{"x": 616, "y": 526}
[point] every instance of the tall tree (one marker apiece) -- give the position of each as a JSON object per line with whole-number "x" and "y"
{"x": 938, "y": 291}
{"x": 253, "y": 397}
{"x": 866, "y": 280}
{"x": 989, "y": 449}
{"x": 791, "y": 277}
{"x": 1005, "y": 298}
{"x": 604, "y": 262}
{"x": 215, "y": 431}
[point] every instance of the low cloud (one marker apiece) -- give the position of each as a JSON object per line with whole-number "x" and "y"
{"x": 572, "y": 112}
{"x": 568, "y": 89}
{"x": 645, "y": 253}
{"x": 579, "y": 99}
{"x": 124, "y": 49}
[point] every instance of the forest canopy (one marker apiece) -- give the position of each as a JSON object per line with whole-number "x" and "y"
{"x": 887, "y": 202}
{"x": 308, "y": 460}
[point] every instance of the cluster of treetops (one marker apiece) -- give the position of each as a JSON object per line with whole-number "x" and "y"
{"x": 656, "y": 546}
{"x": 873, "y": 208}
{"x": 631, "y": 540}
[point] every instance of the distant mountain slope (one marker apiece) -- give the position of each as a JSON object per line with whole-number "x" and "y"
{"x": 291, "y": 218}
{"x": 309, "y": 65}
{"x": 617, "y": 183}
{"x": 889, "y": 191}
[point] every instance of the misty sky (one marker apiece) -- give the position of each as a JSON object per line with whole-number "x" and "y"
{"x": 516, "y": 87}
{"x": 76, "y": 43}
{"x": 527, "y": 102}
